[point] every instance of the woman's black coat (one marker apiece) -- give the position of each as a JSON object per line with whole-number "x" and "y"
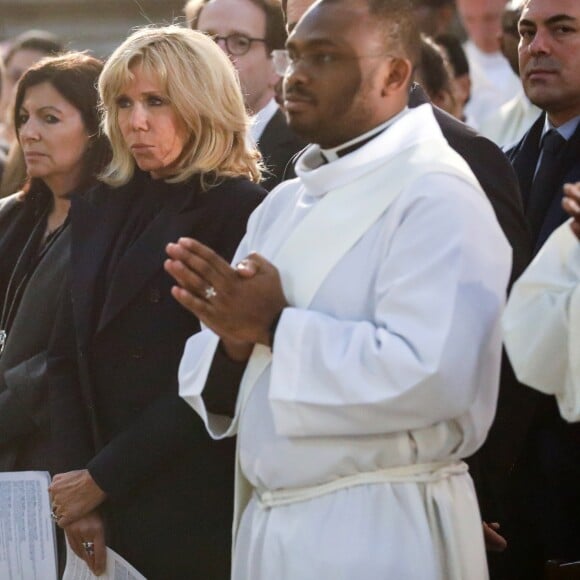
{"x": 115, "y": 406}
{"x": 24, "y": 417}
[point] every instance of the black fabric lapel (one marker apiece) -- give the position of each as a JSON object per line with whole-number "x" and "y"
{"x": 275, "y": 128}
{"x": 146, "y": 255}
{"x": 525, "y": 158}
{"x": 95, "y": 219}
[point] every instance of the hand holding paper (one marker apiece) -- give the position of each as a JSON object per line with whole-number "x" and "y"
{"x": 89, "y": 531}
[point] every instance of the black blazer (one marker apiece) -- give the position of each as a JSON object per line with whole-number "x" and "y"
{"x": 277, "y": 144}
{"x": 169, "y": 485}
{"x": 524, "y": 157}
{"x": 495, "y": 175}
{"x": 24, "y": 424}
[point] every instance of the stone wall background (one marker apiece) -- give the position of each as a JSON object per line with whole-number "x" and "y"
{"x": 96, "y": 25}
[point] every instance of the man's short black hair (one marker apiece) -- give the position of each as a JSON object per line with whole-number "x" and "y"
{"x": 433, "y": 72}
{"x": 455, "y": 53}
{"x": 397, "y": 20}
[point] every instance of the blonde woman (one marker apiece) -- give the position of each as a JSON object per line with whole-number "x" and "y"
{"x": 157, "y": 487}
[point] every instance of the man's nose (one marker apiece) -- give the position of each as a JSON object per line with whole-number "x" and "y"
{"x": 296, "y": 73}
{"x": 540, "y": 44}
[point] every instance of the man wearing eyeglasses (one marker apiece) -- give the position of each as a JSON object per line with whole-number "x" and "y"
{"x": 248, "y": 31}
{"x": 366, "y": 329}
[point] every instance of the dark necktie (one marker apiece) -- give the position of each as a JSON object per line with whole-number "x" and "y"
{"x": 544, "y": 187}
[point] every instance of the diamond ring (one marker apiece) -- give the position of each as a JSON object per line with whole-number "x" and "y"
{"x": 89, "y": 548}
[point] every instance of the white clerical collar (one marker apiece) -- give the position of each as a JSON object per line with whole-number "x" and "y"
{"x": 335, "y": 152}
{"x": 261, "y": 119}
{"x": 566, "y": 130}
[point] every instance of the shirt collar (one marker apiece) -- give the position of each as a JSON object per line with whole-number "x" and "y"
{"x": 566, "y": 130}
{"x": 261, "y": 119}
{"x": 334, "y": 153}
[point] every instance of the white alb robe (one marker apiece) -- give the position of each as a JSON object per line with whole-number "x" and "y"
{"x": 542, "y": 322}
{"x": 506, "y": 126}
{"x": 493, "y": 83}
{"x": 394, "y": 363}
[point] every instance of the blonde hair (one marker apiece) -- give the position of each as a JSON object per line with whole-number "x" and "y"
{"x": 204, "y": 92}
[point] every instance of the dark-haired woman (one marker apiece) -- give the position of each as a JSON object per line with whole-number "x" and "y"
{"x": 57, "y": 124}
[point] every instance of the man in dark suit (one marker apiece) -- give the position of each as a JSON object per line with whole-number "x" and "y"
{"x": 550, "y": 71}
{"x": 546, "y": 490}
{"x": 248, "y": 31}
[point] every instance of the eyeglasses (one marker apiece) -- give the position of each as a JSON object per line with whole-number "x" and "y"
{"x": 236, "y": 44}
{"x": 284, "y": 60}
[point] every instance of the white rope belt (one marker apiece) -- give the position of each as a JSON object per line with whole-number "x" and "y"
{"x": 417, "y": 473}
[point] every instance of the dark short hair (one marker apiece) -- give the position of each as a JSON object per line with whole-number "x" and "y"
{"x": 397, "y": 20}
{"x": 39, "y": 40}
{"x": 74, "y": 75}
{"x": 433, "y": 72}
{"x": 455, "y": 53}
{"x": 275, "y": 34}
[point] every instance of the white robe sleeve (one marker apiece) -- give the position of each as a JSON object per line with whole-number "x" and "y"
{"x": 199, "y": 352}
{"x": 542, "y": 322}
{"x": 193, "y": 372}
{"x": 435, "y": 339}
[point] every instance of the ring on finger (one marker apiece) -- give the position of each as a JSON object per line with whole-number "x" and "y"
{"x": 54, "y": 515}
{"x": 89, "y": 548}
{"x": 210, "y": 293}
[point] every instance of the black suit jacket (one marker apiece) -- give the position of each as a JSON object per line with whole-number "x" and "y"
{"x": 277, "y": 144}
{"x": 495, "y": 175}
{"x": 524, "y": 157}
{"x": 169, "y": 486}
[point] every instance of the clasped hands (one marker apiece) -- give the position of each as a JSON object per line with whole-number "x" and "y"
{"x": 571, "y": 204}
{"x": 75, "y": 496}
{"x": 238, "y": 303}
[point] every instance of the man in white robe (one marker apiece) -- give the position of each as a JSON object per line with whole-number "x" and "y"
{"x": 372, "y": 317}
{"x": 542, "y": 319}
{"x": 493, "y": 82}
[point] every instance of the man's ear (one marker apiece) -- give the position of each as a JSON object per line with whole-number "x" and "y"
{"x": 398, "y": 76}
